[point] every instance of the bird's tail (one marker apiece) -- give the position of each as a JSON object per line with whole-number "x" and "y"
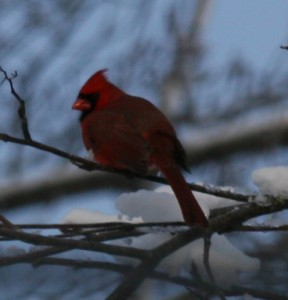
{"x": 191, "y": 210}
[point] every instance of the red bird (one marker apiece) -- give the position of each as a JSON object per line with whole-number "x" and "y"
{"x": 127, "y": 132}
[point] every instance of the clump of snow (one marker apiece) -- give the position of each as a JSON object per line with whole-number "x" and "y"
{"x": 161, "y": 205}
{"x": 212, "y": 187}
{"x": 227, "y": 188}
{"x": 272, "y": 181}
{"x": 152, "y": 206}
{"x": 209, "y": 202}
{"x": 226, "y": 260}
{"x": 84, "y": 216}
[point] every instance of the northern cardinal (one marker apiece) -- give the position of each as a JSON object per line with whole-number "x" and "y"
{"x": 128, "y": 132}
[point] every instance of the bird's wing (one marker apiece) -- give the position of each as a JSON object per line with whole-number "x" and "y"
{"x": 116, "y": 142}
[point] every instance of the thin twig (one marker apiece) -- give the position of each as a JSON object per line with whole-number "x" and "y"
{"x": 206, "y": 262}
{"x": 37, "y": 239}
{"x": 116, "y": 267}
{"x": 30, "y": 257}
{"x": 21, "y": 108}
{"x": 207, "y": 245}
{"x": 267, "y": 295}
{"x": 6, "y": 223}
{"x": 263, "y": 228}
{"x": 105, "y": 226}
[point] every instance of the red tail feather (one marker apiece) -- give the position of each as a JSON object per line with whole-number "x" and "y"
{"x": 190, "y": 208}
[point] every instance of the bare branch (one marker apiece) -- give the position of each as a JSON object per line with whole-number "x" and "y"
{"x": 115, "y": 267}
{"x": 30, "y": 257}
{"x": 258, "y": 228}
{"x": 21, "y": 108}
{"x": 37, "y": 239}
{"x": 90, "y": 165}
{"x": 207, "y": 245}
{"x": 206, "y": 262}
{"x": 267, "y": 295}
{"x": 6, "y": 222}
{"x": 106, "y": 226}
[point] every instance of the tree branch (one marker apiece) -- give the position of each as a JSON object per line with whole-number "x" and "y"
{"x": 90, "y": 165}
{"x": 259, "y": 228}
{"x": 37, "y": 239}
{"x": 21, "y": 108}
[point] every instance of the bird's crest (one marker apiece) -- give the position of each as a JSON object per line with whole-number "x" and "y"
{"x": 96, "y": 82}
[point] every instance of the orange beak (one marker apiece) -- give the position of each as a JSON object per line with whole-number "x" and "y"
{"x": 81, "y": 104}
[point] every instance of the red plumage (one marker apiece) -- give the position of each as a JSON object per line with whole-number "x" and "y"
{"x": 128, "y": 132}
